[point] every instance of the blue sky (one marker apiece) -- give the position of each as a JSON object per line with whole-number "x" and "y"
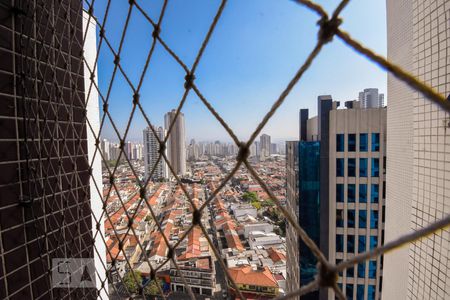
{"x": 257, "y": 47}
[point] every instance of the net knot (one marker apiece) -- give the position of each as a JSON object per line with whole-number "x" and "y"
{"x": 162, "y": 147}
{"x": 196, "y": 217}
{"x": 142, "y": 193}
{"x": 243, "y": 153}
{"x": 170, "y": 253}
{"x": 156, "y": 31}
{"x": 136, "y": 97}
{"x": 189, "y": 80}
{"x": 327, "y": 275}
{"x": 111, "y": 179}
{"x": 116, "y": 59}
{"x": 105, "y": 107}
{"x": 102, "y": 32}
{"x": 328, "y": 28}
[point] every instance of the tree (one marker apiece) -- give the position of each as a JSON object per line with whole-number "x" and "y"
{"x": 152, "y": 289}
{"x": 267, "y": 203}
{"x": 250, "y": 196}
{"x": 256, "y": 204}
{"x": 131, "y": 282}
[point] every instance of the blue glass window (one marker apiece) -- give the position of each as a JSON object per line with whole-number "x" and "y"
{"x": 351, "y": 167}
{"x": 363, "y": 193}
{"x": 339, "y": 218}
{"x": 349, "y": 291}
{"x": 351, "y": 243}
{"x": 360, "y": 292}
{"x": 351, "y": 193}
{"x": 339, "y": 243}
{"x": 363, "y": 142}
{"x": 339, "y": 167}
{"x": 340, "y": 142}
{"x": 362, "y": 270}
{"x": 362, "y": 219}
{"x": 374, "y": 193}
{"x": 351, "y": 218}
{"x": 375, "y": 142}
{"x": 361, "y": 243}
{"x": 373, "y": 242}
{"x": 339, "y": 193}
{"x": 338, "y": 261}
{"x": 372, "y": 269}
{"x": 363, "y": 167}
{"x": 352, "y": 142}
{"x": 371, "y": 292}
{"x": 350, "y": 272}
{"x": 375, "y": 167}
{"x": 373, "y": 219}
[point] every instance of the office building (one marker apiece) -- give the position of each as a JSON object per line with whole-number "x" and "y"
{"x": 370, "y": 98}
{"x": 176, "y": 147}
{"x": 151, "y": 154}
{"x": 418, "y": 192}
{"x": 336, "y": 186}
{"x": 265, "y": 145}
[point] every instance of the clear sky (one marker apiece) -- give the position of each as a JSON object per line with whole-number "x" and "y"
{"x": 257, "y": 47}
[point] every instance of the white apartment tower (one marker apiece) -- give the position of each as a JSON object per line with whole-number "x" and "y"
{"x": 151, "y": 154}
{"x": 265, "y": 145}
{"x": 176, "y": 147}
{"x": 418, "y": 147}
{"x": 370, "y": 98}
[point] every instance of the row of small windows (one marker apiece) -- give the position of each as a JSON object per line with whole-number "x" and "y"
{"x": 362, "y": 245}
{"x": 362, "y": 197}
{"x": 362, "y": 218}
{"x": 351, "y": 167}
{"x": 363, "y": 142}
{"x": 359, "y": 291}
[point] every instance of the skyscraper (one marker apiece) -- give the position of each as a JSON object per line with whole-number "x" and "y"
{"x": 335, "y": 185}
{"x": 151, "y": 154}
{"x": 370, "y": 98}
{"x": 418, "y": 192}
{"x": 265, "y": 145}
{"x": 176, "y": 147}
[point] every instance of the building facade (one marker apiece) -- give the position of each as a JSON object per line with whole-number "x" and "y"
{"x": 265, "y": 146}
{"x": 418, "y": 149}
{"x": 151, "y": 154}
{"x": 370, "y": 98}
{"x": 176, "y": 144}
{"x": 336, "y": 186}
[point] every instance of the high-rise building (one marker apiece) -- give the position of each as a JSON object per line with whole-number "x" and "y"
{"x": 335, "y": 185}
{"x": 48, "y": 200}
{"x": 151, "y": 154}
{"x": 418, "y": 192}
{"x": 370, "y": 98}
{"x": 105, "y": 149}
{"x": 265, "y": 146}
{"x": 176, "y": 147}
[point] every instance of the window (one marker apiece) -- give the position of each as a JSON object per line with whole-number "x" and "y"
{"x": 339, "y": 193}
{"x": 362, "y": 219}
{"x": 351, "y": 218}
{"x": 375, "y": 142}
{"x": 361, "y": 244}
{"x": 371, "y": 292}
{"x": 351, "y": 172}
{"x": 363, "y": 193}
{"x": 349, "y": 291}
{"x": 350, "y": 243}
{"x": 373, "y": 219}
{"x": 375, "y": 167}
{"x": 363, "y": 167}
{"x": 350, "y": 272}
{"x": 340, "y": 142}
{"x": 339, "y": 167}
{"x": 351, "y": 193}
{"x": 363, "y": 142}
{"x": 338, "y": 261}
{"x": 362, "y": 270}
{"x": 352, "y": 142}
{"x": 339, "y": 243}
{"x": 372, "y": 269}
{"x": 373, "y": 242}
{"x": 360, "y": 292}
{"x": 374, "y": 193}
{"x": 339, "y": 218}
